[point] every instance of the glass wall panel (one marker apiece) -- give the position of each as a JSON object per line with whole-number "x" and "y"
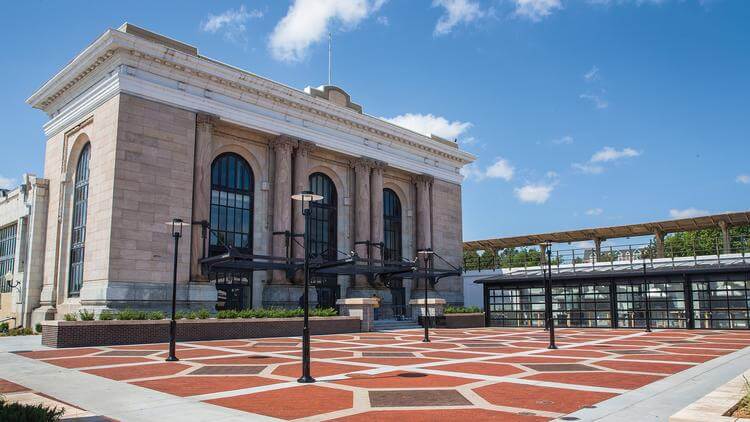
{"x": 721, "y": 304}
{"x": 666, "y": 300}
{"x": 581, "y": 305}
{"x": 516, "y": 307}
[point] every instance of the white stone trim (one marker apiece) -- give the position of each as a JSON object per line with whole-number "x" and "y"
{"x": 140, "y": 67}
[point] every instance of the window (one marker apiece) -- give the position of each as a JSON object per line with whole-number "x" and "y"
{"x": 323, "y": 217}
{"x": 7, "y": 253}
{"x": 78, "y": 234}
{"x": 391, "y": 226}
{"x": 721, "y": 304}
{"x": 516, "y": 307}
{"x": 232, "y": 187}
{"x": 582, "y": 305}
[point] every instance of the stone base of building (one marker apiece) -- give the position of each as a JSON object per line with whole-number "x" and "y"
{"x": 42, "y": 313}
{"x": 286, "y": 295}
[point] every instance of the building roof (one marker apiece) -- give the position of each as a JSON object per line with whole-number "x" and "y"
{"x": 603, "y": 233}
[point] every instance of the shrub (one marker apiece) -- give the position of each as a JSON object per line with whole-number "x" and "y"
{"x": 155, "y": 315}
{"x": 106, "y": 315}
{"x": 324, "y": 312}
{"x": 203, "y": 314}
{"x": 70, "y": 317}
{"x": 179, "y": 314}
{"x": 20, "y": 331}
{"x": 462, "y": 309}
{"x": 28, "y": 412}
{"x": 86, "y": 315}
{"x": 4, "y": 328}
{"x": 131, "y": 314}
{"x": 38, "y": 327}
{"x": 227, "y": 314}
{"x": 191, "y": 315}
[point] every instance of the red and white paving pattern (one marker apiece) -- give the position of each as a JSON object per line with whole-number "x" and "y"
{"x": 479, "y": 374}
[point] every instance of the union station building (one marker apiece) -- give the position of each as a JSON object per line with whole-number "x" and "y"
{"x": 143, "y": 129}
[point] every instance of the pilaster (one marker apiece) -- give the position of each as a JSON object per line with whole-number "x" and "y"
{"x": 376, "y": 207}
{"x": 282, "y": 193}
{"x": 204, "y": 127}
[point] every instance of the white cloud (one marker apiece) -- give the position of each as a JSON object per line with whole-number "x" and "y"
{"x": 596, "y": 99}
{"x": 7, "y": 182}
{"x": 594, "y": 211}
{"x": 383, "y": 20}
{"x": 744, "y": 178}
{"x": 429, "y": 124}
{"x": 536, "y": 10}
{"x": 588, "y": 168}
{"x": 307, "y": 22}
{"x": 565, "y": 140}
{"x": 612, "y": 154}
{"x": 687, "y": 213}
{"x": 592, "y": 75}
{"x": 500, "y": 169}
{"x": 231, "y": 23}
{"x": 537, "y": 193}
{"x": 456, "y": 12}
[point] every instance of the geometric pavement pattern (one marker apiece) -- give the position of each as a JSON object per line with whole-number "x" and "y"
{"x": 478, "y": 374}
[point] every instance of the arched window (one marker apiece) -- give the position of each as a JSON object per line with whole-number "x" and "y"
{"x": 323, "y": 217}
{"x": 391, "y": 226}
{"x": 78, "y": 234}
{"x": 232, "y": 187}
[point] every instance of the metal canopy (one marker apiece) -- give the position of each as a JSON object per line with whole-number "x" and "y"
{"x": 629, "y": 230}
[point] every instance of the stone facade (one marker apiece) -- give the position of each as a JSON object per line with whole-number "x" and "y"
{"x": 157, "y": 116}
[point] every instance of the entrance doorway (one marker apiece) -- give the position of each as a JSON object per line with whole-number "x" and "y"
{"x": 328, "y": 291}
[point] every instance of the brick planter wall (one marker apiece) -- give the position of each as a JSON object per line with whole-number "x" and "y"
{"x": 474, "y": 320}
{"x": 106, "y": 333}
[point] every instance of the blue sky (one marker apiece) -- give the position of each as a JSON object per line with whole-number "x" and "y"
{"x": 582, "y": 113}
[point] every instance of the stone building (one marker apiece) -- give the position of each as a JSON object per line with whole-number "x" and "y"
{"x": 23, "y": 226}
{"x": 143, "y": 129}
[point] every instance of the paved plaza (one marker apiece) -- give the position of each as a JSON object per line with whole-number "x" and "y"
{"x": 463, "y": 374}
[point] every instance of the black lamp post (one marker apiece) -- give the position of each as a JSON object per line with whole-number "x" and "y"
{"x": 548, "y": 297}
{"x": 426, "y": 255}
{"x": 306, "y": 197}
{"x": 176, "y": 234}
{"x": 648, "y": 300}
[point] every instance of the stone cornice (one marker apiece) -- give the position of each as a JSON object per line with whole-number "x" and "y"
{"x": 245, "y": 82}
{"x": 123, "y": 63}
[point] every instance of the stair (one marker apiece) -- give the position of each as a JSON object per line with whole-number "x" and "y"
{"x": 392, "y": 324}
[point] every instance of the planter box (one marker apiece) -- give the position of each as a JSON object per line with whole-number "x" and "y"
{"x": 473, "y": 320}
{"x": 716, "y": 405}
{"x": 106, "y": 333}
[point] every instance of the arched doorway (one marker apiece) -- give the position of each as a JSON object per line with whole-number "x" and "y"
{"x": 392, "y": 249}
{"x": 323, "y": 233}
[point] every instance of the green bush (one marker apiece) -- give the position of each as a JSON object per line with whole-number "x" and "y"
{"x": 20, "y": 331}
{"x": 28, "y": 412}
{"x": 155, "y": 315}
{"x": 131, "y": 314}
{"x": 323, "y": 312}
{"x": 462, "y": 309}
{"x": 86, "y": 315}
{"x": 4, "y": 328}
{"x": 38, "y": 327}
{"x": 274, "y": 313}
{"x": 107, "y": 315}
{"x": 70, "y": 317}
{"x": 191, "y": 315}
{"x": 227, "y": 314}
{"x": 203, "y": 314}
{"x": 180, "y": 314}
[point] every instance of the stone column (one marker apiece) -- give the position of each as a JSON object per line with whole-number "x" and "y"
{"x": 659, "y": 240}
{"x": 725, "y": 239}
{"x": 301, "y": 183}
{"x": 424, "y": 224}
{"x": 376, "y": 208}
{"x": 362, "y": 168}
{"x": 282, "y": 196}
{"x": 204, "y": 126}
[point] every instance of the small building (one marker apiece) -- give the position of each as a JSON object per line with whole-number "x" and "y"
{"x": 624, "y": 286}
{"x": 143, "y": 129}
{"x": 23, "y": 225}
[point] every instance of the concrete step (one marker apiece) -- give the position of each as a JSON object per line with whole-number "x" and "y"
{"x": 385, "y": 325}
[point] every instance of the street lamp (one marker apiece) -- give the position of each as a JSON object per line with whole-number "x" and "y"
{"x": 8, "y": 279}
{"x": 426, "y": 255}
{"x": 176, "y": 225}
{"x": 548, "y": 296}
{"x": 306, "y": 197}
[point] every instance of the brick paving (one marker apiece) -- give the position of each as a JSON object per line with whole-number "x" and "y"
{"x": 478, "y": 374}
